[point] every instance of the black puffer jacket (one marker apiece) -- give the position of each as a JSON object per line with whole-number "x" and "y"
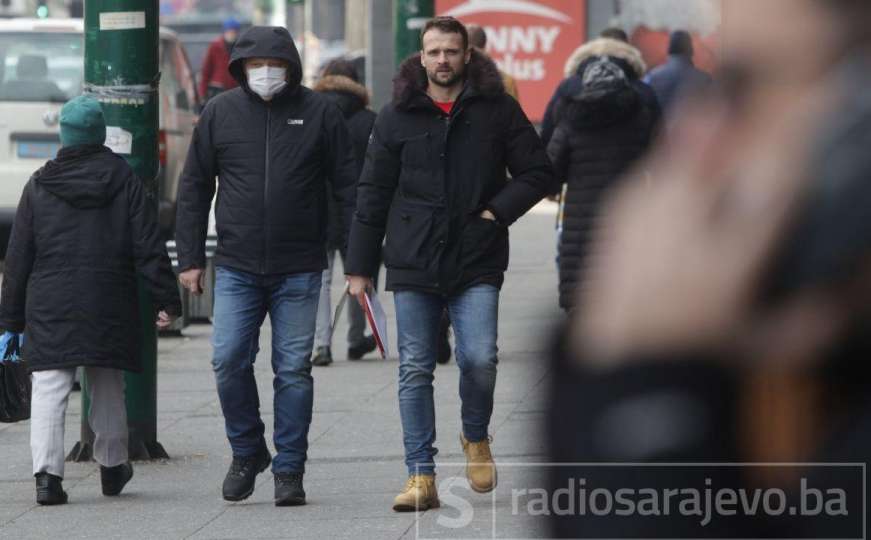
{"x": 83, "y": 230}
{"x": 353, "y": 100}
{"x": 600, "y": 134}
{"x": 428, "y": 176}
{"x": 273, "y": 160}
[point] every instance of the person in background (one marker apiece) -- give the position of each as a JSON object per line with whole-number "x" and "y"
{"x": 215, "y": 76}
{"x": 435, "y": 183}
{"x": 677, "y": 75}
{"x": 478, "y": 39}
{"x": 83, "y": 232}
{"x": 727, "y": 319}
{"x": 571, "y": 85}
{"x": 340, "y": 83}
{"x": 613, "y": 32}
{"x": 273, "y": 145}
{"x": 603, "y": 130}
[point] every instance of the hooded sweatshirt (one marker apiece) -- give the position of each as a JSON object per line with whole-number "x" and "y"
{"x": 273, "y": 160}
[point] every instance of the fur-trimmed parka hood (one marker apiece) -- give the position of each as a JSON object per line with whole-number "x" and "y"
{"x": 350, "y": 95}
{"x": 482, "y": 78}
{"x": 607, "y": 47}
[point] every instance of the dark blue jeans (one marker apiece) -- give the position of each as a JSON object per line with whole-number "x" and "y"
{"x": 474, "y": 317}
{"x": 242, "y": 301}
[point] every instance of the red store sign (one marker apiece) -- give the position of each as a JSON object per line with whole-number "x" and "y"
{"x": 530, "y": 40}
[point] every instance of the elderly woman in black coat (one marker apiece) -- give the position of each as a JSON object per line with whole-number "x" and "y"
{"x": 82, "y": 233}
{"x": 604, "y": 128}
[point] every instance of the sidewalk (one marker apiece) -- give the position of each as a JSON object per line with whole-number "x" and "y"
{"x": 355, "y": 462}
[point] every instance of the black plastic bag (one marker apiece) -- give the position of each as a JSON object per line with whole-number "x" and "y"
{"x": 14, "y": 381}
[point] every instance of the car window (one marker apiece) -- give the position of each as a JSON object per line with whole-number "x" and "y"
{"x": 41, "y": 66}
{"x": 174, "y": 76}
{"x": 184, "y": 75}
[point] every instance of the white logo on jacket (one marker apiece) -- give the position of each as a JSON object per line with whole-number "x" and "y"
{"x": 295, "y": 121}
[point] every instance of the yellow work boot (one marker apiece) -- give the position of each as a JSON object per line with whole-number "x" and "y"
{"x": 480, "y": 468}
{"x": 419, "y": 494}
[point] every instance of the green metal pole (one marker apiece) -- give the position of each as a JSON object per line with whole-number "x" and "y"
{"x": 409, "y": 16}
{"x": 122, "y": 72}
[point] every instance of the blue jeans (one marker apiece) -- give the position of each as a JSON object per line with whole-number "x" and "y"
{"x": 474, "y": 316}
{"x": 242, "y": 301}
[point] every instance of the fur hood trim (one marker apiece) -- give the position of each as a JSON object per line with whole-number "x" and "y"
{"x": 606, "y": 47}
{"x": 482, "y": 74}
{"x": 343, "y": 85}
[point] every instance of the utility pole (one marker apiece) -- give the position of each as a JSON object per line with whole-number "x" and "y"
{"x": 379, "y": 51}
{"x": 122, "y": 72}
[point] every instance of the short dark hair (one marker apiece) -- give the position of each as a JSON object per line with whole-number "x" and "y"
{"x": 477, "y": 36}
{"x": 615, "y": 33}
{"x": 447, "y": 25}
{"x": 680, "y": 42}
{"x": 340, "y": 66}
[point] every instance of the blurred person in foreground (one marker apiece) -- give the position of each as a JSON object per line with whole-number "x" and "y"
{"x": 435, "y": 183}
{"x": 726, "y": 318}
{"x": 340, "y": 82}
{"x": 83, "y": 232}
{"x": 215, "y": 76}
{"x": 678, "y": 75}
{"x": 602, "y": 131}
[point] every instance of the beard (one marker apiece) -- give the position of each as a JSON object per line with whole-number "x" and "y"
{"x": 454, "y": 78}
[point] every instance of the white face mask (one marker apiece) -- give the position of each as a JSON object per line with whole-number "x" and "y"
{"x": 267, "y": 81}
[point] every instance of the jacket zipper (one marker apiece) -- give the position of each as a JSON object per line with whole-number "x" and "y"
{"x": 265, "y": 260}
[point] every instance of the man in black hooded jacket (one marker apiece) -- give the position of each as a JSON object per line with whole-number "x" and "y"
{"x": 273, "y": 144}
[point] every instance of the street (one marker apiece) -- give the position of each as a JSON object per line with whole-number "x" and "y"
{"x": 355, "y": 464}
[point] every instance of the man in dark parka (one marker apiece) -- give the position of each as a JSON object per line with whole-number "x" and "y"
{"x": 435, "y": 182}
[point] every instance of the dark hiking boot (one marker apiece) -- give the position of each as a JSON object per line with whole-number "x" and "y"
{"x": 288, "y": 489}
{"x": 239, "y": 482}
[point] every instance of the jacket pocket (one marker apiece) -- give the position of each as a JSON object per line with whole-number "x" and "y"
{"x": 409, "y": 228}
{"x": 484, "y": 245}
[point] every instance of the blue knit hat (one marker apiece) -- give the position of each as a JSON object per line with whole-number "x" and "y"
{"x": 82, "y": 122}
{"x": 231, "y": 24}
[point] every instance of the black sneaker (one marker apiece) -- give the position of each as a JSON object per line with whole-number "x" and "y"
{"x": 323, "y": 357}
{"x": 362, "y": 349}
{"x": 443, "y": 354}
{"x": 113, "y": 479}
{"x": 239, "y": 482}
{"x": 49, "y": 489}
{"x": 288, "y": 489}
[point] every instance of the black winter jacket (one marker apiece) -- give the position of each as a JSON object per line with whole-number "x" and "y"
{"x": 594, "y": 143}
{"x": 272, "y": 160}
{"x": 428, "y": 176}
{"x": 353, "y": 100}
{"x": 83, "y": 231}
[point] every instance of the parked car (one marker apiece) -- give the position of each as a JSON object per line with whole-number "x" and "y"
{"x": 41, "y": 67}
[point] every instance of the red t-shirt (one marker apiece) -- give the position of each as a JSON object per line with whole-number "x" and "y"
{"x": 444, "y": 105}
